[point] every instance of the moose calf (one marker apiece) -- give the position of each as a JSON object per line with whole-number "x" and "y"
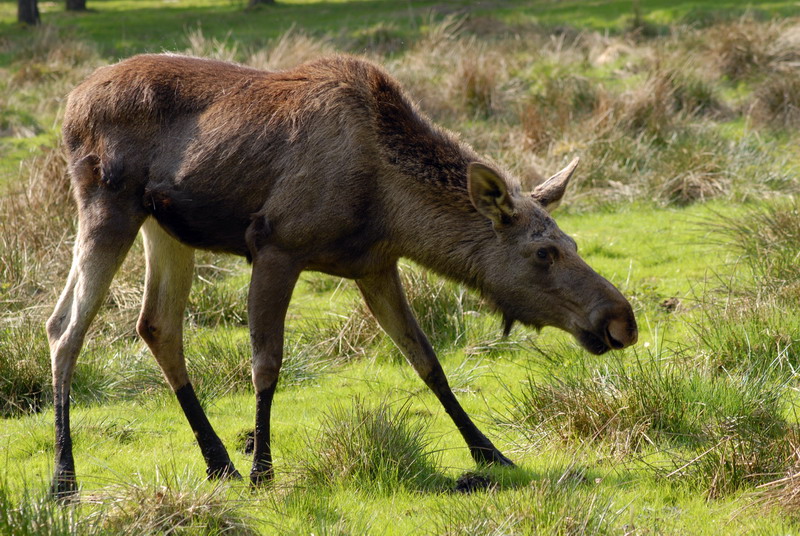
{"x": 327, "y": 166}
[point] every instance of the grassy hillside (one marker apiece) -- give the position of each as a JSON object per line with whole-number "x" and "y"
{"x": 685, "y": 116}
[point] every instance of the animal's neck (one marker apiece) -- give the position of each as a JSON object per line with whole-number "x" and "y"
{"x": 433, "y": 216}
{"x": 452, "y": 246}
{"x": 439, "y": 226}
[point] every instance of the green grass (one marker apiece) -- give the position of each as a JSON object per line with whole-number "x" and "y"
{"x": 124, "y": 27}
{"x": 683, "y": 200}
{"x": 560, "y": 484}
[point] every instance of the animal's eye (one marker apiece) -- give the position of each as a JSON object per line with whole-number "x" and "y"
{"x": 541, "y": 253}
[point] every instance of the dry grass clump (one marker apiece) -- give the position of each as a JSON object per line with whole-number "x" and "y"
{"x": 693, "y": 166}
{"x": 211, "y": 47}
{"x": 776, "y": 101}
{"x": 381, "y": 39}
{"x": 642, "y": 142}
{"x": 24, "y": 370}
{"x": 37, "y": 224}
{"x": 664, "y": 101}
{"x": 292, "y": 48}
{"x": 744, "y": 49}
{"x": 456, "y": 77}
{"x": 560, "y": 103}
{"x": 740, "y": 49}
{"x": 783, "y": 492}
{"x": 479, "y": 75}
{"x": 172, "y": 507}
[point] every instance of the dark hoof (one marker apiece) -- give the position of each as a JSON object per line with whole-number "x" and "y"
{"x": 64, "y": 488}
{"x": 490, "y": 457}
{"x": 223, "y": 472}
{"x": 262, "y": 477}
{"x": 472, "y": 482}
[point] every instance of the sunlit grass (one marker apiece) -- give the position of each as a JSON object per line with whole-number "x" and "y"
{"x": 682, "y": 119}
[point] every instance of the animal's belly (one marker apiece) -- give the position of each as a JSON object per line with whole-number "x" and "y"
{"x": 354, "y": 260}
{"x": 209, "y": 223}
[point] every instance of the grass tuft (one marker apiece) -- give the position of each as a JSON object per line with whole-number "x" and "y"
{"x": 218, "y": 303}
{"x": 627, "y": 407}
{"x": 24, "y": 371}
{"x": 776, "y": 101}
{"x": 172, "y": 506}
{"x": 378, "y": 447}
{"x": 767, "y": 239}
{"x": 741, "y": 334}
{"x": 35, "y": 515}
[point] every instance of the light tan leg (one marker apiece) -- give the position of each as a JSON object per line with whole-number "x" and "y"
{"x": 100, "y": 247}
{"x": 167, "y": 284}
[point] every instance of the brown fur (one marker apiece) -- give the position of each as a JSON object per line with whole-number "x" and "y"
{"x": 327, "y": 166}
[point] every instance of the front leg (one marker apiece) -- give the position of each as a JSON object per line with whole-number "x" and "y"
{"x": 384, "y": 295}
{"x": 274, "y": 277}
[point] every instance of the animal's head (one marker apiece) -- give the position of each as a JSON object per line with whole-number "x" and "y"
{"x": 537, "y": 276}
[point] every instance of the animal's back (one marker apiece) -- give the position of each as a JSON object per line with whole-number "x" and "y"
{"x": 200, "y": 136}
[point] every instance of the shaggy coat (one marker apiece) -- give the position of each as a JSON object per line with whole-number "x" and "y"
{"x": 328, "y": 167}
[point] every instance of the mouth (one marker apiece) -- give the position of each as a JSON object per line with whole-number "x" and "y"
{"x": 599, "y": 345}
{"x": 593, "y": 343}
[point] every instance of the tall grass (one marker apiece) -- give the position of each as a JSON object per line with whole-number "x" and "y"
{"x": 723, "y": 431}
{"x": 767, "y": 238}
{"x": 380, "y": 447}
{"x": 35, "y": 231}
{"x": 759, "y": 309}
{"x": 649, "y": 400}
{"x": 24, "y": 371}
{"x": 33, "y": 515}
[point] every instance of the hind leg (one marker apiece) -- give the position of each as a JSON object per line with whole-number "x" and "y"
{"x": 104, "y": 237}
{"x": 167, "y": 285}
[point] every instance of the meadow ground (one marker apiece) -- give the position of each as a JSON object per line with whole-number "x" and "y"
{"x": 685, "y": 115}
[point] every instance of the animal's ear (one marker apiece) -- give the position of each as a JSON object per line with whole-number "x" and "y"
{"x": 550, "y": 192}
{"x": 489, "y": 194}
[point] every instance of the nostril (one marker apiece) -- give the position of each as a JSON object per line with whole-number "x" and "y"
{"x": 619, "y": 333}
{"x": 614, "y": 343}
